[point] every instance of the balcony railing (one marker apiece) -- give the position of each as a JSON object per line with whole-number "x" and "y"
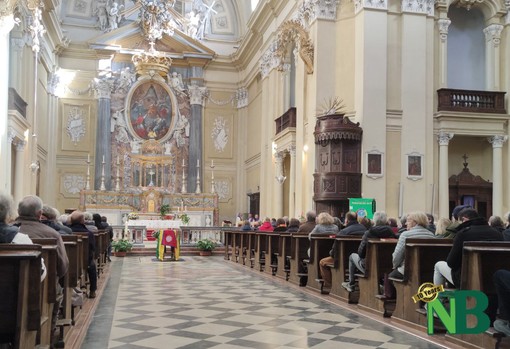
{"x": 288, "y": 119}
{"x": 471, "y": 101}
{"x": 15, "y": 102}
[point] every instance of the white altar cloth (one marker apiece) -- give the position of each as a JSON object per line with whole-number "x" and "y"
{"x": 156, "y": 224}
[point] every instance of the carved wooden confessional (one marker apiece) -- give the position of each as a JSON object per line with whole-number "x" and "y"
{"x": 469, "y": 189}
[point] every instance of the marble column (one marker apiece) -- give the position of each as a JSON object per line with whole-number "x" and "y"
{"x": 280, "y": 179}
{"x": 6, "y": 24}
{"x": 443, "y": 24}
{"x": 197, "y": 94}
{"x": 18, "y": 170}
{"x": 292, "y": 184}
{"x": 497, "y": 174}
{"x": 103, "y": 89}
{"x": 444, "y": 205}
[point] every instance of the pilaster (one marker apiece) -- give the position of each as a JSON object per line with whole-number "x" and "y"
{"x": 443, "y": 139}
{"x": 7, "y": 22}
{"x": 497, "y": 173}
{"x": 493, "y": 56}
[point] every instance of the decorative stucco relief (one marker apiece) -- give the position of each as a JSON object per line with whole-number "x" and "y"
{"x": 290, "y": 32}
{"x": 425, "y": 7}
{"x": 220, "y": 134}
{"x": 222, "y": 187}
{"x": 73, "y": 183}
{"x": 371, "y": 4}
{"x": 76, "y": 124}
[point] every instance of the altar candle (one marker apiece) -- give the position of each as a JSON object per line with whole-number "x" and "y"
{"x": 88, "y": 157}
{"x": 182, "y": 162}
{"x": 103, "y": 159}
{"x": 118, "y": 161}
{"x": 198, "y": 163}
{"x": 212, "y": 162}
{"x": 185, "y": 208}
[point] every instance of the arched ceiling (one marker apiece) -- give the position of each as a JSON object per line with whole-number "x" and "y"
{"x": 225, "y": 20}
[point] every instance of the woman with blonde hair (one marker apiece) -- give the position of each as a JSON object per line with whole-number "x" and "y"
{"x": 441, "y": 226}
{"x": 416, "y": 223}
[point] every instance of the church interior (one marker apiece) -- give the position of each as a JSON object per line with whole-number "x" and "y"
{"x": 190, "y": 115}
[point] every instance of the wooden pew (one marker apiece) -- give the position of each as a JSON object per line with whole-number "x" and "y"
{"x": 20, "y": 287}
{"x": 378, "y": 262}
{"x": 100, "y": 251}
{"x": 260, "y": 251}
{"x": 298, "y": 269}
{"x": 479, "y": 262}
{"x": 420, "y": 257}
{"x": 48, "y": 288}
{"x": 236, "y": 246}
{"x": 252, "y": 246}
{"x": 320, "y": 246}
{"x": 272, "y": 252}
{"x": 74, "y": 248}
{"x": 227, "y": 233}
{"x": 345, "y": 245}
{"x": 243, "y": 246}
{"x": 284, "y": 256}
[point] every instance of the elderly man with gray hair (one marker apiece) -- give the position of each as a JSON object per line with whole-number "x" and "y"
{"x": 381, "y": 229}
{"x": 28, "y": 221}
{"x": 30, "y": 209}
{"x": 49, "y": 217}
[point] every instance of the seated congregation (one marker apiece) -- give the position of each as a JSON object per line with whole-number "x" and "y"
{"x": 50, "y": 265}
{"x": 380, "y": 265}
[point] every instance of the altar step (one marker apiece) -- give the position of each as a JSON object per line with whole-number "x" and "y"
{"x": 185, "y": 251}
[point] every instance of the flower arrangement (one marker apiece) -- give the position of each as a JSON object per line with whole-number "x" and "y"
{"x": 184, "y": 218}
{"x": 133, "y": 216}
{"x": 164, "y": 210}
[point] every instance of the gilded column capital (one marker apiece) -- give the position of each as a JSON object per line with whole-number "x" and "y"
{"x": 497, "y": 141}
{"x": 444, "y": 138}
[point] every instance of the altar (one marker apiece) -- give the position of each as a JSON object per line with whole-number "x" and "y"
{"x": 151, "y": 163}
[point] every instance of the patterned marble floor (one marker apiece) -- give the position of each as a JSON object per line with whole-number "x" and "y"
{"x": 205, "y": 302}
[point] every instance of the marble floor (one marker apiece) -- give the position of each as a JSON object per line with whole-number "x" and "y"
{"x": 206, "y": 302}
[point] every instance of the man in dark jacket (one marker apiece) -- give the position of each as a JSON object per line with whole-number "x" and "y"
{"x": 78, "y": 227}
{"x": 471, "y": 228}
{"x": 352, "y": 227}
{"x": 307, "y": 227}
{"x": 381, "y": 229}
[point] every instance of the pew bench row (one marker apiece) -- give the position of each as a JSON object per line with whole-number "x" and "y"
{"x": 295, "y": 258}
{"x": 29, "y": 304}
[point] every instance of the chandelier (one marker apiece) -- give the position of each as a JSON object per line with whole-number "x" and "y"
{"x": 156, "y": 18}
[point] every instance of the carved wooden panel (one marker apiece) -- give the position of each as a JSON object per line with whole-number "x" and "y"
{"x": 338, "y": 166}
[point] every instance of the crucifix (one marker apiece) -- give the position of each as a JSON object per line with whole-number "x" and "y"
{"x": 465, "y": 157}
